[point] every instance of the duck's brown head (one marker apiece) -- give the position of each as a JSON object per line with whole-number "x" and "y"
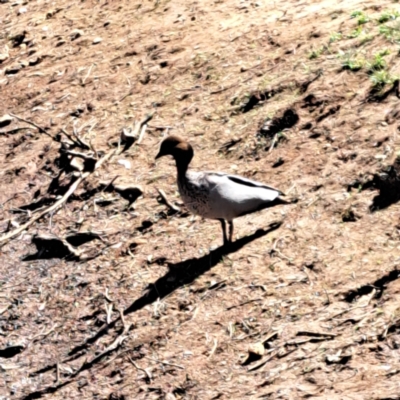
{"x": 178, "y": 148}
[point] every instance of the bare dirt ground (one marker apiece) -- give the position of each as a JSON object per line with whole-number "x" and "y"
{"x": 108, "y": 293}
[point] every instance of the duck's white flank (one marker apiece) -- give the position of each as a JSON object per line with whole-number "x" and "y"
{"x": 217, "y": 195}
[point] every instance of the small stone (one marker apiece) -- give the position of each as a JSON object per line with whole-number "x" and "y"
{"x": 75, "y": 34}
{"x": 125, "y": 163}
{"x": 97, "y": 40}
{"x": 3, "y": 57}
{"x": 77, "y": 163}
{"x": 22, "y": 10}
{"x": 5, "y": 120}
{"x": 60, "y": 43}
{"x": 257, "y": 349}
{"x": 34, "y": 61}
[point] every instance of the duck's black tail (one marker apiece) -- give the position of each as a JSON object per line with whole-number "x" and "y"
{"x": 277, "y": 202}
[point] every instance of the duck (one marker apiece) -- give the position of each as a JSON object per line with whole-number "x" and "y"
{"x": 217, "y": 195}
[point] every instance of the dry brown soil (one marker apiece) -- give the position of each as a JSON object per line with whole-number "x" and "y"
{"x": 109, "y": 293}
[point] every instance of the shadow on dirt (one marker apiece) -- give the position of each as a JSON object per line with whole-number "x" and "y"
{"x": 379, "y": 286}
{"x": 49, "y": 247}
{"x": 185, "y": 272}
{"x": 181, "y": 274}
{"x": 388, "y": 184}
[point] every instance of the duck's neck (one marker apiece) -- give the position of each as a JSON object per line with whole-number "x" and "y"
{"x": 182, "y": 167}
{"x": 182, "y": 160}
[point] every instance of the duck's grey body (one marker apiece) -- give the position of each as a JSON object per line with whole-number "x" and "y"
{"x": 217, "y": 195}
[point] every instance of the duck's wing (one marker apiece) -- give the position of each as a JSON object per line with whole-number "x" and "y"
{"x": 244, "y": 181}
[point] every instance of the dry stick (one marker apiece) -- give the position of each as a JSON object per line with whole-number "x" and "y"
{"x": 58, "y": 373}
{"x": 142, "y": 132}
{"x": 44, "y": 334}
{"x": 165, "y": 363}
{"x": 5, "y": 238}
{"x": 87, "y": 75}
{"x": 68, "y": 136}
{"x": 141, "y": 123}
{"x": 243, "y": 304}
{"x": 166, "y": 202}
{"x": 4, "y": 309}
{"x": 140, "y": 369}
{"x": 113, "y": 346}
{"x": 108, "y": 312}
{"x": 34, "y": 125}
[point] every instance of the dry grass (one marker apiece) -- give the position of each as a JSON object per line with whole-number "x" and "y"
{"x": 147, "y": 306}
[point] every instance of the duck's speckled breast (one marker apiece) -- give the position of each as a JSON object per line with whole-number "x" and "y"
{"x": 195, "y": 192}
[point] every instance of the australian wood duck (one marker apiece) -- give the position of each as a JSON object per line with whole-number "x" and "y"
{"x": 216, "y": 195}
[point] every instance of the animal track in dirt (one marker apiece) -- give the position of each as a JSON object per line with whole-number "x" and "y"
{"x": 387, "y": 181}
{"x": 379, "y": 285}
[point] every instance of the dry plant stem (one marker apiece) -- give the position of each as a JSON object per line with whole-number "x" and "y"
{"x": 142, "y": 132}
{"x": 214, "y": 348}
{"x": 44, "y": 334}
{"x": 141, "y": 123}
{"x": 12, "y": 234}
{"x": 166, "y": 202}
{"x": 107, "y": 297}
{"x": 165, "y": 363}
{"x": 113, "y": 346}
{"x": 244, "y": 303}
{"x": 4, "y": 309}
{"x": 88, "y": 74}
{"x": 108, "y": 312}
{"x": 110, "y": 184}
{"x": 5, "y": 238}
{"x": 58, "y": 373}
{"x": 140, "y": 369}
{"x": 42, "y": 130}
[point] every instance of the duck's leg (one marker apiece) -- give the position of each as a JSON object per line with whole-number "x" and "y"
{"x": 223, "y": 226}
{"x": 230, "y": 223}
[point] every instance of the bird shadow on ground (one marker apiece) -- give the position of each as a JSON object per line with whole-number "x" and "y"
{"x": 185, "y": 272}
{"x": 179, "y": 274}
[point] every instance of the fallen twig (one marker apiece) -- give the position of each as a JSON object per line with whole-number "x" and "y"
{"x": 39, "y": 128}
{"x": 5, "y": 238}
{"x": 141, "y": 123}
{"x": 44, "y": 334}
{"x": 243, "y": 304}
{"x": 107, "y": 296}
{"x": 142, "y": 132}
{"x": 108, "y": 312}
{"x": 58, "y": 373}
{"x": 166, "y": 202}
{"x": 165, "y": 363}
{"x": 149, "y": 377}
